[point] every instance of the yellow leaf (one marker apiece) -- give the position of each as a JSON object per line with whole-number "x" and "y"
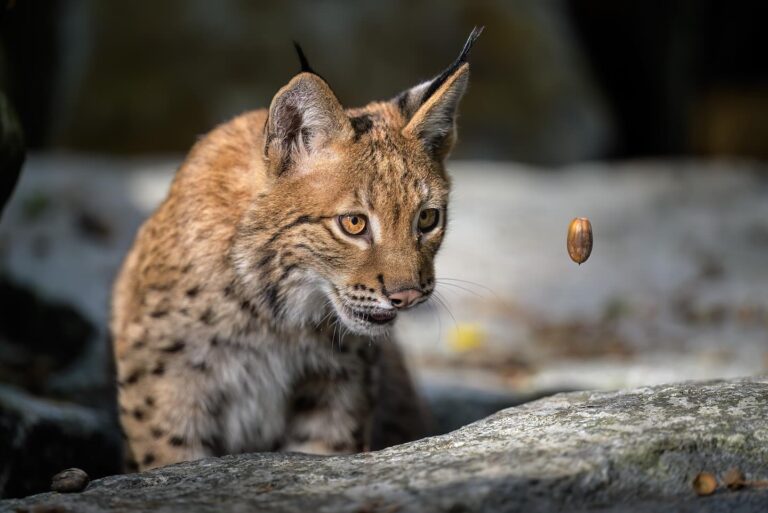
{"x": 466, "y": 337}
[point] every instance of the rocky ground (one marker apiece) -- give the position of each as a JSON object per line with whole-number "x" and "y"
{"x": 635, "y": 450}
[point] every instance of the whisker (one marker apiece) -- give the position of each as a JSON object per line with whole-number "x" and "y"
{"x": 442, "y": 302}
{"x": 459, "y": 287}
{"x": 326, "y": 316}
{"x": 333, "y": 335}
{"x": 444, "y": 279}
{"x": 436, "y": 313}
{"x": 344, "y": 331}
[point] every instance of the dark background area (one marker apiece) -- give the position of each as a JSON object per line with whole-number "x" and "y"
{"x": 553, "y": 82}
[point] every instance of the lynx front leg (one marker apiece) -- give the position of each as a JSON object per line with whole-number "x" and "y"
{"x": 399, "y": 416}
{"x": 150, "y": 449}
{"x": 163, "y": 423}
{"x": 330, "y": 414}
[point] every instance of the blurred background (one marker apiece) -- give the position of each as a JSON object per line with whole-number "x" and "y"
{"x": 650, "y": 118}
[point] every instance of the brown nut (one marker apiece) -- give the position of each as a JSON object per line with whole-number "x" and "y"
{"x": 734, "y": 479}
{"x": 579, "y": 240}
{"x": 70, "y": 480}
{"x": 705, "y": 483}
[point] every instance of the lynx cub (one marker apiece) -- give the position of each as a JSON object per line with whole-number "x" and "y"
{"x": 253, "y": 311}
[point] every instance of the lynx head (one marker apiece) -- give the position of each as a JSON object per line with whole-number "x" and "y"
{"x": 357, "y": 202}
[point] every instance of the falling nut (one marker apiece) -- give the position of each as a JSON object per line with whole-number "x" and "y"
{"x": 734, "y": 479}
{"x": 579, "y": 240}
{"x": 705, "y": 483}
{"x": 69, "y": 481}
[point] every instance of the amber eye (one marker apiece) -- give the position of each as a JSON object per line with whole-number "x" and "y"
{"x": 428, "y": 219}
{"x": 353, "y": 224}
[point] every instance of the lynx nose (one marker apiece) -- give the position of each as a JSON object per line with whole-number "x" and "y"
{"x": 404, "y": 298}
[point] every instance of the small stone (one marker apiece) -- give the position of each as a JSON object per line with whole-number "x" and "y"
{"x": 70, "y": 481}
{"x": 579, "y": 241}
{"x": 705, "y": 483}
{"x": 734, "y": 479}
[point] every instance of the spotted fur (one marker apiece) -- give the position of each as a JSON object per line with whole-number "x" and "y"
{"x": 245, "y": 318}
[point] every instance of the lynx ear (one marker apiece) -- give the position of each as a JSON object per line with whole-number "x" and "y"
{"x": 430, "y": 107}
{"x": 304, "y": 118}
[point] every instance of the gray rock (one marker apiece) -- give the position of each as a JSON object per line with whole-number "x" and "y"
{"x": 635, "y": 450}
{"x": 41, "y": 437}
{"x": 38, "y": 336}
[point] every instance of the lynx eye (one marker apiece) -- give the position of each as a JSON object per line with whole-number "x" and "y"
{"x": 353, "y": 224}
{"x": 428, "y": 219}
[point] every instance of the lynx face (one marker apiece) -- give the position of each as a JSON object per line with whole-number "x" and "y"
{"x": 356, "y": 206}
{"x": 370, "y": 220}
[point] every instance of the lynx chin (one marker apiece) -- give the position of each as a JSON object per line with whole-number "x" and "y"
{"x": 253, "y": 311}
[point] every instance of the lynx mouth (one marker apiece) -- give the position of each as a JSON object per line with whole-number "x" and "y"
{"x": 369, "y": 321}
{"x": 379, "y": 317}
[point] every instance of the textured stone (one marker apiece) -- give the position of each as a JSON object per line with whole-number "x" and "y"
{"x": 635, "y": 450}
{"x": 70, "y": 481}
{"x": 41, "y": 437}
{"x": 37, "y": 336}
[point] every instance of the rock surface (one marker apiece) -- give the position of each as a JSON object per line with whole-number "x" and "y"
{"x": 634, "y": 450}
{"x": 38, "y": 337}
{"x": 41, "y": 437}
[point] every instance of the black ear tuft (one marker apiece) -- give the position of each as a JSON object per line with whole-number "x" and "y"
{"x": 470, "y": 43}
{"x": 461, "y": 59}
{"x": 430, "y": 107}
{"x": 305, "y": 67}
{"x": 409, "y": 101}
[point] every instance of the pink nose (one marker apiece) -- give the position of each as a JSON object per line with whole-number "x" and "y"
{"x": 404, "y": 298}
